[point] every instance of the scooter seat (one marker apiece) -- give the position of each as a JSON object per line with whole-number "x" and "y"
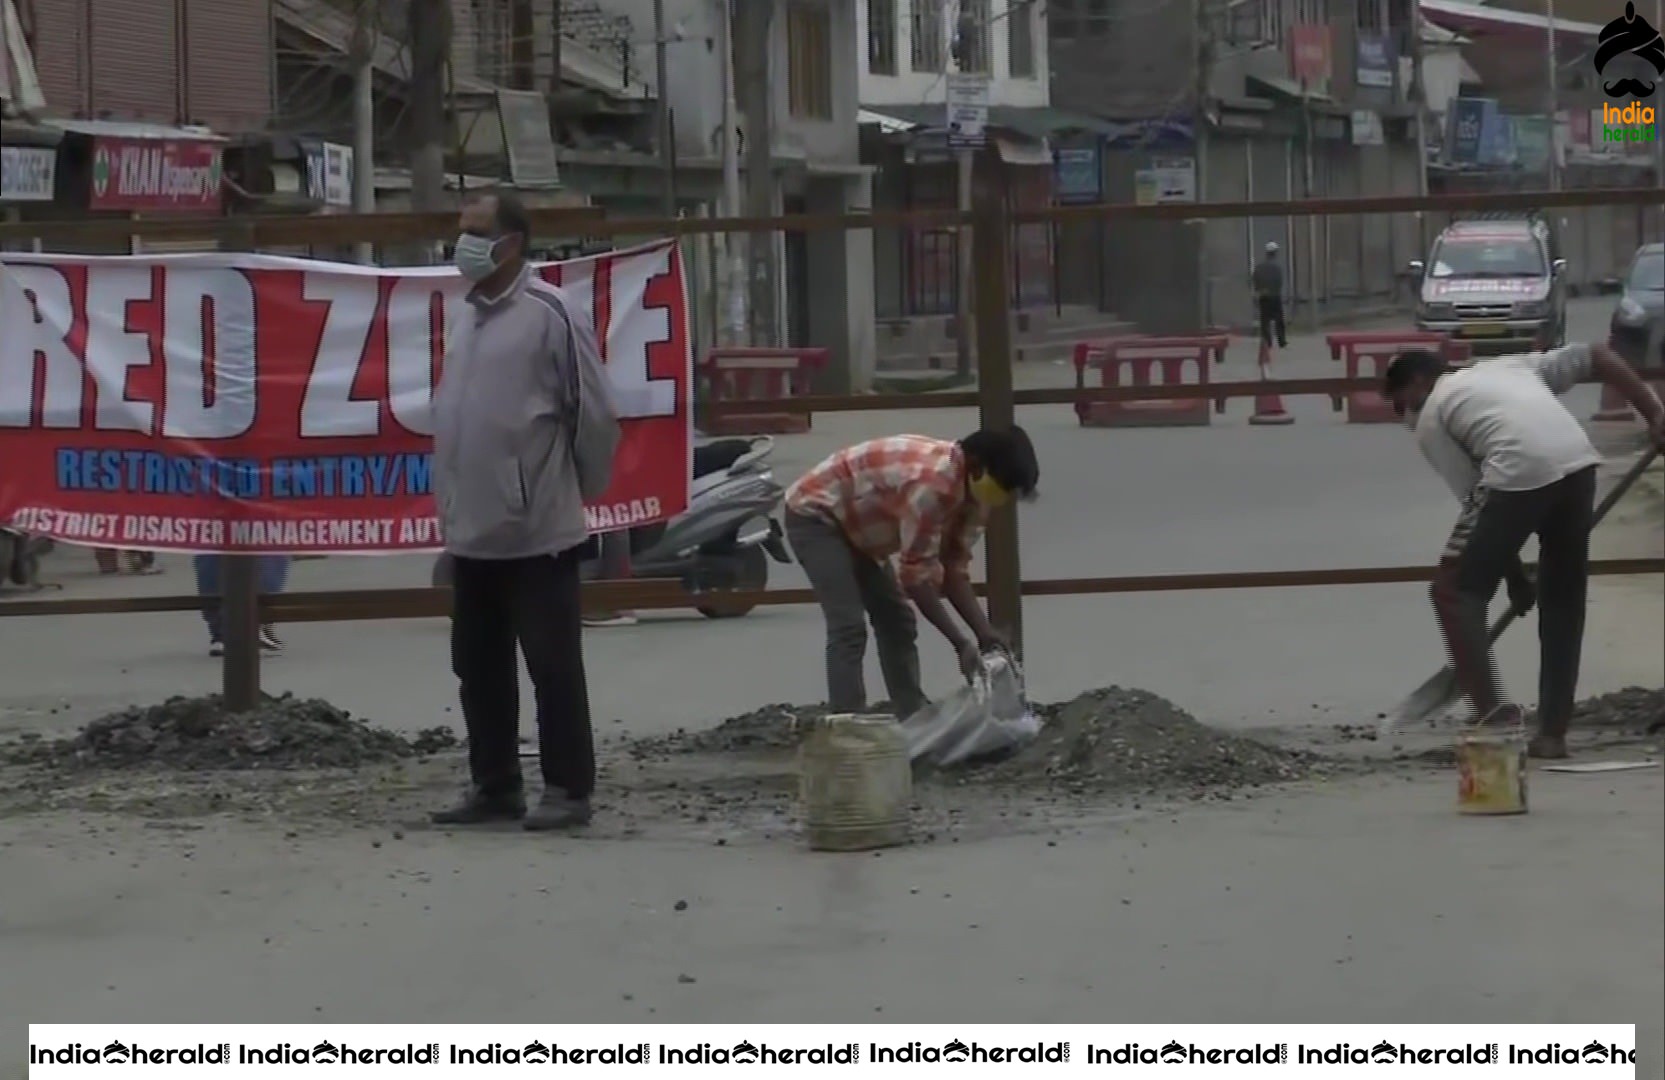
{"x": 719, "y": 456}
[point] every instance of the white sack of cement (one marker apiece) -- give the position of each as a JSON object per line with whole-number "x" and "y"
{"x": 988, "y": 718}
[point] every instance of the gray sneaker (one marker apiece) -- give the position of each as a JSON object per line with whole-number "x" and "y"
{"x": 555, "y": 811}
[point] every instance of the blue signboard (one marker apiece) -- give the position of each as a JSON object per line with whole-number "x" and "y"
{"x": 1497, "y": 138}
{"x": 1375, "y": 61}
{"x": 1466, "y": 130}
{"x": 1076, "y": 174}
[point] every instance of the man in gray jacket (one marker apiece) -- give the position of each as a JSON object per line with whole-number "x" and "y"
{"x": 524, "y": 433}
{"x": 1268, "y": 285}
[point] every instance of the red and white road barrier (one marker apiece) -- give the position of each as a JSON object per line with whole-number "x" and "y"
{"x": 759, "y": 375}
{"x": 1367, "y": 354}
{"x": 1149, "y": 361}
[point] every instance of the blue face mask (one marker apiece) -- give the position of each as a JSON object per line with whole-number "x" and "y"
{"x": 475, "y": 257}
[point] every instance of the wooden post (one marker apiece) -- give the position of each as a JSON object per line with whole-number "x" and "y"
{"x": 239, "y": 579}
{"x": 991, "y": 232}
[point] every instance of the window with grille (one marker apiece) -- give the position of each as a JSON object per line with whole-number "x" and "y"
{"x": 976, "y": 55}
{"x": 1061, "y": 22}
{"x": 1098, "y": 19}
{"x": 925, "y": 22}
{"x": 881, "y": 37}
{"x": 1020, "y": 39}
{"x": 809, "y": 61}
{"x": 493, "y": 31}
{"x": 1271, "y": 20}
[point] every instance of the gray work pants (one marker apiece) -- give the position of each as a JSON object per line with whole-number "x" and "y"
{"x": 1487, "y": 540}
{"x": 853, "y": 589}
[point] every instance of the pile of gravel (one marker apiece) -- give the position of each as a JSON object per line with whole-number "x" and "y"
{"x": 198, "y": 733}
{"x": 1630, "y": 709}
{"x": 773, "y": 727}
{"x": 1124, "y": 741}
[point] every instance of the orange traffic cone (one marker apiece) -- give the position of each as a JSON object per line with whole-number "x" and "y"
{"x": 1269, "y": 410}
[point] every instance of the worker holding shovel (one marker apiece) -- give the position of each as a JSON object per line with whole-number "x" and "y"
{"x": 924, "y": 502}
{"x": 1522, "y": 465}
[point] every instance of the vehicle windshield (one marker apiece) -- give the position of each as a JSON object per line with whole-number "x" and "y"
{"x": 1487, "y": 257}
{"x": 1648, "y": 275}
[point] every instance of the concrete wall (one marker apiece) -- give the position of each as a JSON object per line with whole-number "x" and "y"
{"x": 837, "y": 138}
{"x": 1137, "y": 65}
{"x": 909, "y": 87}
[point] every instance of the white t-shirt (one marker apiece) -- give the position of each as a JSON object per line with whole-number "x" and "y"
{"x": 1499, "y": 424}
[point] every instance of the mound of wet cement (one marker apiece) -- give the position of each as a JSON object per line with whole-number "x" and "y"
{"x": 198, "y": 733}
{"x": 1120, "y": 740}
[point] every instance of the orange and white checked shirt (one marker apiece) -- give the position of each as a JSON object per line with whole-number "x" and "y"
{"x": 904, "y": 496}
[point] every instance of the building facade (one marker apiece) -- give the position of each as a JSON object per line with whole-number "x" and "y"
{"x": 910, "y": 50}
{"x": 1248, "y": 100}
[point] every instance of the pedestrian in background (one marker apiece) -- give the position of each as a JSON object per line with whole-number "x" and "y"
{"x": 524, "y": 433}
{"x": 1268, "y": 286}
{"x": 272, "y": 576}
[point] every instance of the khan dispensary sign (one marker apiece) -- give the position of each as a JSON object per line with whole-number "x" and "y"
{"x": 178, "y": 175}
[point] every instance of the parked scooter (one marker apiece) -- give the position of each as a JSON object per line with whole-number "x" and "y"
{"x": 722, "y": 542}
{"x": 728, "y": 534}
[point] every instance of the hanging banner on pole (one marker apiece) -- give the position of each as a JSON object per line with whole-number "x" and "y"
{"x": 255, "y": 404}
{"x": 968, "y": 110}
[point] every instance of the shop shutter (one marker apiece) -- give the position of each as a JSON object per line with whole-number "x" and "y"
{"x": 228, "y": 65}
{"x": 60, "y": 50}
{"x": 135, "y": 59}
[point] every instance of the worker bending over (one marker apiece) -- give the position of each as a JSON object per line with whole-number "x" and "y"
{"x": 1522, "y": 465}
{"x": 924, "y": 502}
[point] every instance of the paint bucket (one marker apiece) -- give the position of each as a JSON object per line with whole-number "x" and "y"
{"x": 1491, "y": 770}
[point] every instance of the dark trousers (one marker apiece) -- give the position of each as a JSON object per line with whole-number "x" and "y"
{"x": 1484, "y": 546}
{"x": 1271, "y": 319}
{"x": 533, "y": 602}
{"x": 851, "y": 589}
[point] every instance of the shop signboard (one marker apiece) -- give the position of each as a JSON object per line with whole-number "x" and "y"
{"x": 155, "y": 175}
{"x": 27, "y": 173}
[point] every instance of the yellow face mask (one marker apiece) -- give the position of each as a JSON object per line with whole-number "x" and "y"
{"x": 988, "y": 493}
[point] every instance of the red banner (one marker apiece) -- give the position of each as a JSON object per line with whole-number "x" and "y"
{"x": 177, "y": 175}
{"x": 1309, "y": 53}
{"x": 249, "y": 403}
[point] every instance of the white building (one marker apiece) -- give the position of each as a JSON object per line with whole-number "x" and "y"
{"x": 907, "y": 50}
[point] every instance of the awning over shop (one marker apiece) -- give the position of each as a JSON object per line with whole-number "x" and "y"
{"x": 1290, "y": 89}
{"x": 1037, "y": 123}
{"x": 1466, "y": 18}
{"x": 19, "y": 82}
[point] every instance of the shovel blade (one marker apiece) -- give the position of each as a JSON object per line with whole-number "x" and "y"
{"x": 1426, "y": 700}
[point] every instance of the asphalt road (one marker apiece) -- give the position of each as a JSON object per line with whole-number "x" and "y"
{"x": 1364, "y": 900}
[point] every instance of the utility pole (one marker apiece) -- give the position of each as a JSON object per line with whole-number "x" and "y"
{"x": 959, "y": 45}
{"x": 667, "y": 138}
{"x": 1554, "y": 91}
{"x": 752, "y": 25}
{"x": 1206, "y": 23}
{"x": 429, "y": 31}
{"x": 732, "y": 319}
{"x": 367, "y": 16}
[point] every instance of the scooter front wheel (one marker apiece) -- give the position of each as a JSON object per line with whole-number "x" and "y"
{"x": 753, "y": 574}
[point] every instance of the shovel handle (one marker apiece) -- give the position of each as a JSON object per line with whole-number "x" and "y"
{"x": 1607, "y": 503}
